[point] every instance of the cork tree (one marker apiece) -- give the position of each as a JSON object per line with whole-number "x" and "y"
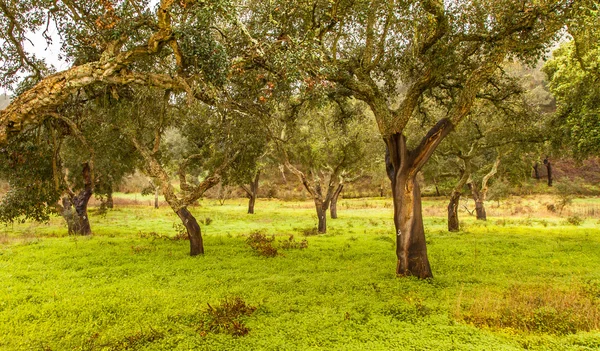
{"x": 392, "y": 55}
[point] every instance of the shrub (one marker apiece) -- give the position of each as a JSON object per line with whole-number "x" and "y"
{"x": 261, "y": 244}
{"x": 575, "y": 220}
{"x": 291, "y": 243}
{"x": 227, "y": 317}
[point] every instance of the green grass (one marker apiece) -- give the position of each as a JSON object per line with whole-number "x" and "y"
{"x": 508, "y": 284}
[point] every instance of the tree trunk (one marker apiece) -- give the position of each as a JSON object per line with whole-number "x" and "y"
{"x": 453, "y": 225}
{"x": 80, "y": 202}
{"x": 479, "y": 203}
{"x": 193, "y": 231}
{"x": 536, "y": 171}
{"x": 322, "y": 216}
{"x": 411, "y": 249}
{"x": 156, "y": 191}
{"x": 480, "y": 210}
{"x": 109, "y": 200}
{"x": 549, "y": 169}
{"x": 334, "y": 198}
{"x": 252, "y": 193}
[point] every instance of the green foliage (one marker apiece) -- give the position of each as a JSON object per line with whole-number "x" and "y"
{"x": 26, "y": 164}
{"x": 573, "y": 74}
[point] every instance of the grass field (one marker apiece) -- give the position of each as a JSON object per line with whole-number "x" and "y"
{"x": 518, "y": 281}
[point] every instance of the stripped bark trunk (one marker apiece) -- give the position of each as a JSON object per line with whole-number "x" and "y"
{"x": 334, "y": 198}
{"x": 193, "y": 230}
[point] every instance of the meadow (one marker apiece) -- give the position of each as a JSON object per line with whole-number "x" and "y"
{"x": 525, "y": 279}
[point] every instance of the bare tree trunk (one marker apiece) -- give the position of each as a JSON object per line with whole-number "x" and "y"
{"x": 549, "y": 170}
{"x": 156, "y": 191}
{"x": 193, "y": 231}
{"x": 411, "y": 249}
{"x": 321, "y": 215}
{"x": 453, "y": 224}
{"x": 252, "y": 192}
{"x": 334, "y": 198}
{"x": 80, "y": 202}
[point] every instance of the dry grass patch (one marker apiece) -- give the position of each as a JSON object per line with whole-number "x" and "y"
{"x": 538, "y": 309}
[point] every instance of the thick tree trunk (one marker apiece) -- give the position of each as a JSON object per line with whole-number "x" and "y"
{"x": 322, "y": 216}
{"x": 81, "y": 221}
{"x": 193, "y": 231}
{"x": 480, "y": 210}
{"x": 411, "y": 249}
{"x": 334, "y": 198}
{"x": 453, "y": 225}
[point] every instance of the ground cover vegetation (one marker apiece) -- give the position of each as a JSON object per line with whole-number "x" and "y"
{"x": 203, "y": 97}
{"x": 514, "y": 282}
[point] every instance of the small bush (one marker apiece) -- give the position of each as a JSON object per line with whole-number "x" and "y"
{"x": 291, "y": 243}
{"x": 180, "y": 232}
{"x": 261, "y": 244}
{"x": 207, "y": 221}
{"x": 575, "y": 220}
{"x": 227, "y": 317}
{"x": 309, "y": 231}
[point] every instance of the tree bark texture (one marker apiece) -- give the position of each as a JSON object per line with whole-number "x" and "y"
{"x": 334, "y": 198}
{"x": 321, "y": 207}
{"x": 78, "y": 221}
{"x": 252, "y": 192}
{"x": 411, "y": 249}
{"x": 453, "y": 223}
{"x": 193, "y": 231}
{"x": 479, "y": 199}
